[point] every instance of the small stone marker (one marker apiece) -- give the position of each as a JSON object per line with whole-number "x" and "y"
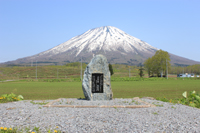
{"x": 96, "y": 82}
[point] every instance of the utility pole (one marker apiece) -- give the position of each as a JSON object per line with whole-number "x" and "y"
{"x": 129, "y": 72}
{"x": 81, "y": 68}
{"x": 166, "y": 69}
{"x": 36, "y": 71}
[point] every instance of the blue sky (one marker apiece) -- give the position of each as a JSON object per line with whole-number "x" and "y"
{"x": 28, "y": 27}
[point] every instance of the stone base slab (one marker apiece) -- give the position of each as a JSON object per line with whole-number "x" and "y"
{"x": 147, "y": 105}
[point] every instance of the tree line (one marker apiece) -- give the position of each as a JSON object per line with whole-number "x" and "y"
{"x": 186, "y": 69}
{"x": 160, "y": 64}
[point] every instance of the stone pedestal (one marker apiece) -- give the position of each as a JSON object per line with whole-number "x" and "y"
{"x": 96, "y": 82}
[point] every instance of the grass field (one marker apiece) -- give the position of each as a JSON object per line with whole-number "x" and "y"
{"x": 122, "y": 89}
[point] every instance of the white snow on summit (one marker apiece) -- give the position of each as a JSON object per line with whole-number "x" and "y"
{"x": 105, "y": 38}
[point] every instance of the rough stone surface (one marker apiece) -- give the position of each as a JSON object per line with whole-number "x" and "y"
{"x": 98, "y": 64}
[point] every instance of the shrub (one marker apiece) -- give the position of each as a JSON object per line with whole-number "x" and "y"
{"x": 193, "y": 99}
{"x": 10, "y": 98}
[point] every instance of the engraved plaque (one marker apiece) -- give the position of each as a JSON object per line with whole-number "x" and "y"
{"x": 97, "y": 83}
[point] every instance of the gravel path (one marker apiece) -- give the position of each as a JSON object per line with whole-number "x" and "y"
{"x": 165, "y": 117}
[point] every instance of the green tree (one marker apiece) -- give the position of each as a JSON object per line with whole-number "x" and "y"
{"x": 141, "y": 69}
{"x": 148, "y": 66}
{"x": 157, "y": 63}
{"x": 111, "y": 69}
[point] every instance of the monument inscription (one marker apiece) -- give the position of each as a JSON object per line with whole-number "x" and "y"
{"x": 97, "y": 83}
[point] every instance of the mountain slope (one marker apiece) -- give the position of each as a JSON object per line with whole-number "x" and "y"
{"x": 115, "y": 44}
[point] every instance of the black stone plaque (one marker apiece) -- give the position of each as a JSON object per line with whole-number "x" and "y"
{"x": 97, "y": 83}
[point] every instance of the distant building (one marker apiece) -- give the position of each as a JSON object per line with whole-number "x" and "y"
{"x": 186, "y": 75}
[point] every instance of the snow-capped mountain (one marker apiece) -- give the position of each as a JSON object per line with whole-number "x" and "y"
{"x": 115, "y": 44}
{"x": 105, "y": 38}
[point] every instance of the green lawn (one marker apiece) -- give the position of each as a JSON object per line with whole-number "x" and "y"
{"x": 167, "y": 88}
{"x": 43, "y": 90}
{"x": 53, "y": 90}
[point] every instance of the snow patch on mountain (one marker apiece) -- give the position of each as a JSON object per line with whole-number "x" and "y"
{"x": 105, "y": 38}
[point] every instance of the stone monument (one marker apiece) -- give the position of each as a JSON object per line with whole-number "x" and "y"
{"x": 96, "y": 82}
